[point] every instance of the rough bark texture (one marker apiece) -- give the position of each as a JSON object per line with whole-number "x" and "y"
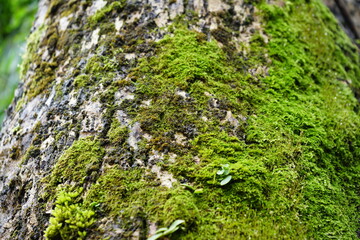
{"x": 134, "y": 114}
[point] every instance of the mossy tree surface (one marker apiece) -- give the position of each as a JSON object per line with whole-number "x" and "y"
{"x": 149, "y": 109}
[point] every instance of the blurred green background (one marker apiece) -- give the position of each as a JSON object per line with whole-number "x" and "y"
{"x": 16, "y": 18}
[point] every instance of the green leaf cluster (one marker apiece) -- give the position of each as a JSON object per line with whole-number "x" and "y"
{"x": 161, "y": 232}
{"x": 224, "y": 173}
{"x": 70, "y": 219}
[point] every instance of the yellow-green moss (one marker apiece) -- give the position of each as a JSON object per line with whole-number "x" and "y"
{"x": 77, "y": 164}
{"x": 117, "y": 134}
{"x": 70, "y": 219}
{"x": 297, "y": 130}
{"x": 32, "y": 152}
{"x": 292, "y": 152}
{"x": 33, "y": 43}
{"x": 115, "y": 6}
{"x": 19, "y": 104}
{"x": 82, "y": 81}
{"x": 134, "y": 195}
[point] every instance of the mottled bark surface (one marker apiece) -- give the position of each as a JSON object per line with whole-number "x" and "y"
{"x": 121, "y": 102}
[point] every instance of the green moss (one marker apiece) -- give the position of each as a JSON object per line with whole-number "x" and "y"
{"x": 33, "y": 43}
{"x": 59, "y": 135}
{"x": 107, "y": 28}
{"x": 113, "y": 185}
{"x": 82, "y": 81}
{"x": 292, "y": 148}
{"x": 314, "y": 113}
{"x": 55, "y": 5}
{"x": 292, "y": 159}
{"x": 32, "y": 152}
{"x": 115, "y": 7}
{"x": 101, "y": 68}
{"x": 117, "y": 134}
{"x": 70, "y": 8}
{"x": 77, "y": 165}
{"x": 15, "y": 152}
{"x": 19, "y": 104}
{"x": 141, "y": 198}
{"x": 70, "y": 219}
{"x": 44, "y": 75}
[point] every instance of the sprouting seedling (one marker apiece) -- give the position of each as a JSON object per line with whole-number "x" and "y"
{"x": 224, "y": 173}
{"x": 161, "y": 232}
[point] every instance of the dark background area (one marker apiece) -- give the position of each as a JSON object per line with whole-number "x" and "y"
{"x": 16, "y": 17}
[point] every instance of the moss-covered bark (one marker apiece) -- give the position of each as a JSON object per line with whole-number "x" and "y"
{"x": 240, "y": 118}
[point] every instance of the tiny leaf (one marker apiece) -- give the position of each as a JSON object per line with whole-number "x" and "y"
{"x": 225, "y": 180}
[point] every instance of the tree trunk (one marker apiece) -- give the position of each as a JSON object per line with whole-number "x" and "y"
{"x": 240, "y": 118}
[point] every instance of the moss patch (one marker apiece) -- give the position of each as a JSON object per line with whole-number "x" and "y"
{"x": 292, "y": 148}
{"x": 33, "y": 43}
{"x": 82, "y": 81}
{"x": 114, "y": 7}
{"x": 291, "y": 138}
{"x": 117, "y": 134}
{"x": 78, "y": 165}
{"x": 311, "y": 104}
{"x": 70, "y": 219}
{"x": 133, "y": 195}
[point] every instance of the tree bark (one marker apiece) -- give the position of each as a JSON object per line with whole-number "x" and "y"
{"x": 238, "y": 117}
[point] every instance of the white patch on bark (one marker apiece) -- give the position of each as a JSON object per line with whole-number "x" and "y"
{"x": 152, "y": 228}
{"x": 180, "y": 139}
{"x": 162, "y": 19}
{"x": 136, "y": 235}
{"x": 230, "y": 118}
{"x": 51, "y": 97}
{"x": 182, "y": 94}
{"x": 29, "y": 110}
{"x": 176, "y": 9}
{"x": 122, "y": 117}
{"x": 146, "y": 103}
{"x": 199, "y": 7}
{"x": 134, "y": 16}
{"x": 123, "y": 94}
{"x": 172, "y": 157}
{"x": 217, "y": 6}
{"x": 166, "y": 178}
{"x": 92, "y": 121}
{"x": 64, "y": 22}
{"x": 45, "y": 56}
{"x": 213, "y": 24}
{"x": 147, "y": 136}
{"x": 94, "y": 40}
{"x": 73, "y": 100}
{"x": 134, "y": 135}
{"x": 31, "y": 195}
{"x": 208, "y": 94}
{"x": 45, "y": 144}
{"x": 41, "y": 14}
{"x": 130, "y": 56}
{"x": 118, "y": 24}
{"x": 197, "y": 160}
{"x": 97, "y": 5}
{"x": 238, "y": 6}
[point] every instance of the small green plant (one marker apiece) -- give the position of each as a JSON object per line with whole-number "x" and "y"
{"x": 161, "y": 232}
{"x": 69, "y": 219}
{"x": 224, "y": 174}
